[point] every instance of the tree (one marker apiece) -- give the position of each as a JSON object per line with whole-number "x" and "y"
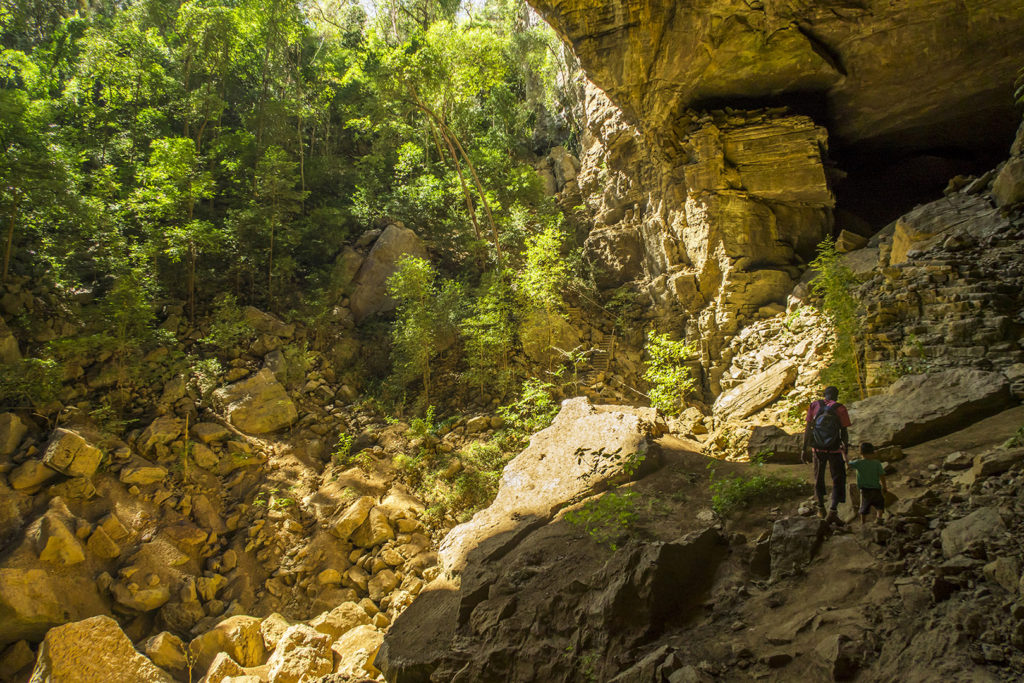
{"x": 541, "y": 283}
{"x": 171, "y": 185}
{"x": 835, "y": 284}
{"x": 426, "y": 320}
{"x": 670, "y": 380}
{"x": 490, "y": 331}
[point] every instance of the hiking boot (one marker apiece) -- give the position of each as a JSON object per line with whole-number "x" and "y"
{"x": 821, "y": 511}
{"x": 833, "y": 517}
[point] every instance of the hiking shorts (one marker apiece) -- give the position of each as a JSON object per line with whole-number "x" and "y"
{"x": 871, "y": 498}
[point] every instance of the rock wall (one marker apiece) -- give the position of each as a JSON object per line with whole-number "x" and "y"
{"x": 717, "y": 231}
{"x": 705, "y": 158}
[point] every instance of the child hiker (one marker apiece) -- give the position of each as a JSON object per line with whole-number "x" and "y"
{"x": 870, "y": 481}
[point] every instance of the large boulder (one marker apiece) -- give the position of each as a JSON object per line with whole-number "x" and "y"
{"x": 12, "y": 430}
{"x": 917, "y": 408}
{"x": 370, "y": 295}
{"x": 239, "y": 636}
{"x": 508, "y": 604}
{"x": 755, "y": 393}
{"x": 775, "y": 444}
{"x": 70, "y": 454}
{"x": 585, "y": 449}
{"x": 979, "y": 526}
{"x": 34, "y": 600}
{"x": 257, "y": 405}
{"x": 302, "y": 654}
{"x": 95, "y": 649}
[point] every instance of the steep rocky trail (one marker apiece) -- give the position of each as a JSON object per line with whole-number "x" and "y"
{"x": 766, "y": 593}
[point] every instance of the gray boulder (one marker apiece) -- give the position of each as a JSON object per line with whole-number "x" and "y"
{"x": 257, "y": 405}
{"x": 757, "y": 392}
{"x": 586, "y": 449}
{"x": 917, "y": 408}
{"x": 369, "y": 288}
{"x": 794, "y": 542}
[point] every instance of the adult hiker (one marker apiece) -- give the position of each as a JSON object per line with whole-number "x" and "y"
{"x": 827, "y": 443}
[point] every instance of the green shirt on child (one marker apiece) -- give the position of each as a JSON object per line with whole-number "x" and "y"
{"x": 869, "y": 473}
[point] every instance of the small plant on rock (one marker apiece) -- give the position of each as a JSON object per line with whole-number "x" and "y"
{"x": 606, "y": 519}
{"x": 342, "y": 449}
{"x": 729, "y": 494}
{"x": 421, "y": 426}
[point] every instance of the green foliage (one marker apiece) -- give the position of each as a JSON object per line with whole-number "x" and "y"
{"x": 1017, "y": 440}
{"x": 542, "y": 280}
{"x": 235, "y": 145}
{"x": 607, "y": 519}
{"x": 668, "y": 377}
{"x": 342, "y": 449}
{"x": 489, "y": 333}
{"x": 230, "y": 327}
{"x": 531, "y": 412}
{"x": 426, "y": 320}
{"x": 29, "y": 382}
{"x": 205, "y": 374}
{"x": 731, "y": 493}
{"x": 422, "y": 426}
{"x": 835, "y": 284}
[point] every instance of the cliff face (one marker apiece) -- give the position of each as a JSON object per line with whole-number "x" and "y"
{"x": 914, "y": 72}
{"x": 706, "y": 157}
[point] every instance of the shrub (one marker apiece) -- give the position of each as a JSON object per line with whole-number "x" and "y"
{"x": 229, "y": 327}
{"x": 29, "y": 382}
{"x": 421, "y": 426}
{"x": 342, "y": 449}
{"x": 606, "y": 519}
{"x": 669, "y": 378}
{"x": 835, "y": 285}
{"x": 531, "y": 412}
{"x": 741, "y": 490}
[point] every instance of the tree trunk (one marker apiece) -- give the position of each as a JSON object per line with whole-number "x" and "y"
{"x": 9, "y": 249}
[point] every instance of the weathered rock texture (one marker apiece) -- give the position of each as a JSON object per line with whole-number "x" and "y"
{"x": 921, "y": 407}
{"x": 370, "y": 293}
{"x": 655, "y": 58}
{"x": 585, "y": 449}
{"x": 95, "y": 649}
{"x": 711, "y": 197}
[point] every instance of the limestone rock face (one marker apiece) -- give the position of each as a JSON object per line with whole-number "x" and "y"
{"x": 240, "y": 637}
{"x": 502, "y": 606}
{"x": 584, "y": 449}
{"x": 917, "y": 408}
{"x": 33, "y": 600}
{"x": 369, "y": 295}
{"x": 12, "y": 430}
{"x": 95, "y": 649}
{"x": 302, "y": 654}
{"x": 257, "y": 405}
{"x": 656, "y": 58}
{"x": 70, "y": 454}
